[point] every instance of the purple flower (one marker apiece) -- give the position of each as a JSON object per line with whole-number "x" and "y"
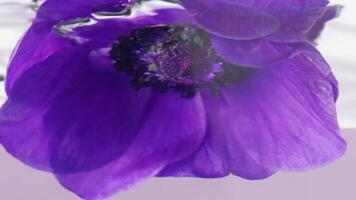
{"x": 106, "y": 93}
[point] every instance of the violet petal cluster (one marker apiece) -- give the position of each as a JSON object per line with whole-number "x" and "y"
{"x": 106, "y": 93}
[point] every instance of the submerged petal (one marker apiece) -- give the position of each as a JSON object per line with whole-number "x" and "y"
{"x": 21, "y": 117}
{"x": 279, "y": 20}
{"x": 296, "y": 17}
{"x": 257, "y": 53}
{"x": 172, "y": 130}
{"x": 232, "y": 19}
{"x": 330, "y": 13}
{"x": 221, "y": 153}
{"x": 285, "y": 115}
{"x": 40, "y": 41}
{"x": 35, "y": 46}
{"x": 94, "y": 121}
{"x": 83, "y": 120}
{"x": 277, "y": 118}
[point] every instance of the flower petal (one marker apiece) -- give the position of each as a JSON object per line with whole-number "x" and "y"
{"x": 257, "y": 53}
{"x": 172, "y": 130}
{"x": 279, "y": 20}
{"x": 277, "y": 118}
{"x": 94, "y": 121}
{"x": 232, "y": 19}
{"x": 330, "y": 13}
{"x": 116, "y": 134}
{"x": 37, "y": 45}
{"x": 21, "y": 117}
{"x": 285, "y": 115}
{"x": 35, "y": 92}
{"x": 296, "y": 17}
{"x": 40, "y": 41}
{"x": 222, "y": 152}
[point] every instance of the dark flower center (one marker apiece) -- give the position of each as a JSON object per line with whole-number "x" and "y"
{"x": 169, "y": 57}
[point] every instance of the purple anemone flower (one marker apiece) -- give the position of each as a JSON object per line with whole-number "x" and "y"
{"x": 106, "y": 93}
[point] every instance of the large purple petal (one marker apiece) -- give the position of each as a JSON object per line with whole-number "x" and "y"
{"x": 21, "y": 117}
{"x": 32, "y": 95}
{"x": 257, "y": 53}
{"x": 94, "y": 121}
{"x": 280, "y": 20}
{"x": 232, "y": 19}
{"x": 82, "y": 116}
{"x": 172, "y": 130}
{"x": 296, "y": 17}
{"x": 285, "y": 115}
{"x": 21, "y": 134}
{"x": 36, "y": 46}
{"x": 330, "y": 13}
{"x": 277, "y": 118}
{"x": 40, "y": 41}
{"x": 222, "y": 152}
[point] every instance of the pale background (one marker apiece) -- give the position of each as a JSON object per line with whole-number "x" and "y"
{"x": 334, "y": 182}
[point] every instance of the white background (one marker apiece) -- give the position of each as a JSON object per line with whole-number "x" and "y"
{"x": 336, "y": 181}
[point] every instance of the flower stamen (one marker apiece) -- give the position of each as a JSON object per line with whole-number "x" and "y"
{"x": 168, "y": 57}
